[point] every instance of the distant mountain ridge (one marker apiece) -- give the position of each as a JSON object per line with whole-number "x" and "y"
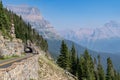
{"x": 34, "y": 17}
{"x": 104, "y": 39}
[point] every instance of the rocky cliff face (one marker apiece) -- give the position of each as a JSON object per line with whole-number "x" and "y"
{"x": 37, "y": 67}
{"x": 109, "y": 30}
{"x": 24, "y": 70}
{"x": 94, "y": 38}
{"x": 34, "y": 17}
{"x": 11, "y": 47}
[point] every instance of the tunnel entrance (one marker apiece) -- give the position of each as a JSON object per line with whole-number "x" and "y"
{"x": 28, "y": 50}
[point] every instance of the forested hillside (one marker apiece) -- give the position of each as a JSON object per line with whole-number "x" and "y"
{"x": 22, "y": 30}
{"x": 86, "y": 67}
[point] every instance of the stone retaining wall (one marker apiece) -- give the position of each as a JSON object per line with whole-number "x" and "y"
{"x": 25, "y": 70}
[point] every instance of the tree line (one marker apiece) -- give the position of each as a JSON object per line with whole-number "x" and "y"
{"x": 85, "y": 67}
{"x": 23, "y": 30}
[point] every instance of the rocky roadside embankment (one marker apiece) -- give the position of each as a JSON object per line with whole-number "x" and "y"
{"x": 37, "y": 67}
{"x": 11, "y": 47}
{"x": 25, "y": 70}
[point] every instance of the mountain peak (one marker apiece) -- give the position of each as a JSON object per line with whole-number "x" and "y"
{"x": 34, "y": 17}
{"x": 24, "y": 9}
{"x": 112, "y": 24}
{"x": 22, "y": 5}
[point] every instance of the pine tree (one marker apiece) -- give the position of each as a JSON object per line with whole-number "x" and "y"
{"x": 95, "y": 69}
{"x": 77, "y": 66}
{"x": 73, "y": 60}
{"x": 116, "y": 76}
{"x": 4, "y": 22}
{"x": 100, "y": 70}
{"x": 1, "y": 6}
{"x": 81, "y": 70}
{"x": 2, "y": 16}
{"x": 63, "y": 59}
{"x": 86, "y": 67}
{"x": 89, "y": 66}
{"x": 110, "y": 70}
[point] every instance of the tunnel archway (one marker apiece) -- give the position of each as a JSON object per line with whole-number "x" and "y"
{"x": 28, "y": 50}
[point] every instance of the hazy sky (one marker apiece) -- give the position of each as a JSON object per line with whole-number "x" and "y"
{"x": 64, "y": 14}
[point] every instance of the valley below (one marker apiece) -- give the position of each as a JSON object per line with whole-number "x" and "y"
{"x": 33, "y": 49}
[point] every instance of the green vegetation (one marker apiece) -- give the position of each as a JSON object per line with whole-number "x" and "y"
{"x": 85, "y": 67}
{"x": 100, "y": 75}
{"x": 110, "y": 70}
{"x": 4, "y": 22}
{"x": 9, "y": 57}
{"x": 23, "y": 31}
{"x": 32, "y": 79}
{"x": 63, "y": 60}
{"x": 51, "y": 71}
{"x": 49, "y": 62}
{"x": 73, "y": 60}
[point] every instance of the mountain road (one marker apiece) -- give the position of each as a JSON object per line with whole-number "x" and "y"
{"x": 9, "y": 62}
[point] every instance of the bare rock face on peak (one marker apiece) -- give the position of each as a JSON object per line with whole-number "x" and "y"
{"x": 34, "y": 17}
{"x": 103, "y": 39}
{"x": 10, "y": 47}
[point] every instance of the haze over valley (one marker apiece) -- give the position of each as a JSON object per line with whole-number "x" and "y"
{"x": 59, "y": 40}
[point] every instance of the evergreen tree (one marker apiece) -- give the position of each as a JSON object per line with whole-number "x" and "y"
{"x": 1, "y": 6}
{"x": 69, "y": 61}
{"x": 4, "y": 23}
{"x": 81, "y": 70}
{"x": 77, "y": 65}
{"x": 110, "y": 70}
{"x": 116, "y": 76}
{"x": 63, "y": 59}
{"x": 22, "y": 30}
{"x": 89, "y": 66}
{"x": 95, "y": 69}
{"x": 100, "y": 70}
{"x": 86, "y": 67}
{"x": 73, "y": 60}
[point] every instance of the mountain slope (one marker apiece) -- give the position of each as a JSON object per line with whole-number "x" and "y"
{"x": 34, "y": 17}
{"x": 26, "y": 68}
{"x": 53, "y": 39}
{"x": 94, "y": 38}
{"x": 50, "y": 71}
{"x": 54, "y": 49}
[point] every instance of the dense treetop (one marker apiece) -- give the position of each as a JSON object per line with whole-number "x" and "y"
{"x": 85, "y": 67}
{"x": 23, "y": 30}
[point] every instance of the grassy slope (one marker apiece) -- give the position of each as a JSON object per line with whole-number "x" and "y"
{"x": 50, "y": 71}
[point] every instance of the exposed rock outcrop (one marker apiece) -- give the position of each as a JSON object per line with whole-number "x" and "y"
{"x": 37, "y": 67}
{"x": 24, "y": 70}
{"x": 11, "y": 47}
{"x": 34, "y": 17}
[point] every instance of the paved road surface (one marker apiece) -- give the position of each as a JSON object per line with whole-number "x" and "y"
{"x": 8, "y": 62}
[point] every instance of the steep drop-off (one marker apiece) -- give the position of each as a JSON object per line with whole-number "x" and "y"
{"x": 38, "y": 67}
